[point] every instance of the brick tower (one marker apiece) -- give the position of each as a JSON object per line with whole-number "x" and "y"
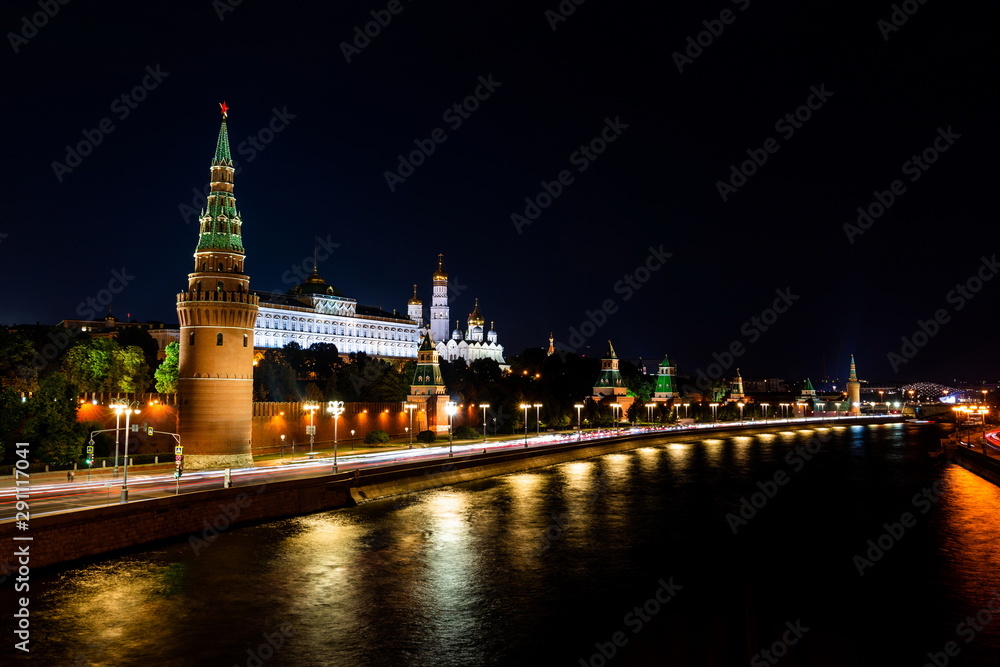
{"x": 217, "y": 315}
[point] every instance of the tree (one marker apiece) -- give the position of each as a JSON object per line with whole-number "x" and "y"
{"x": 12, "y": 416}
{"x": 17, "y": 370}
{"x": 166, "y": 374}
{"x": 466, "y": 432}
{"x": 377, "y": 437}
{"x": 88, "y": 364}
{"x": 274, "y": 378}
{"x": 52, "y": 421}
{"x": 129, "y": 370}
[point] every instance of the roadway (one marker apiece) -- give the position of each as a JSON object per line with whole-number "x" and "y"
{"x": 47, "y": 493}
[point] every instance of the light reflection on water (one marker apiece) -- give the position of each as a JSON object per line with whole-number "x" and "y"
{"x": 536, "y": 567}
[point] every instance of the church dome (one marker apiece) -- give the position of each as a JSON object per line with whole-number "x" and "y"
{"x": 475, "y": 317}
{"x": 440, "y": 274}
{"x": 414, "y": 301}
{"x": 314, "y": 284}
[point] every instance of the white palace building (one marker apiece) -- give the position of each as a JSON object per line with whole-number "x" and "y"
{"x": 315, "y": 312}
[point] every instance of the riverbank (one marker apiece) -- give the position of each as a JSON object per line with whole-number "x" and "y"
{"x": 201, "y": 516}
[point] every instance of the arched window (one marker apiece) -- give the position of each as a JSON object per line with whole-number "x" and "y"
{"x": 218, "y": 339}
{"x": 191, "y": 338}
{"x": 219, "y": 286}
{"x": 245, "y": 339}
{"x": 220, "y": 267}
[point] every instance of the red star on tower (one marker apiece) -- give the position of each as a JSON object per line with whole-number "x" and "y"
{"x": 224, "y": 108}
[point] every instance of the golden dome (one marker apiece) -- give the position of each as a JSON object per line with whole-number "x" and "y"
{"x": 440, "y": 274}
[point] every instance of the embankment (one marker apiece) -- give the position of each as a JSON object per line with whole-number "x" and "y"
{"x": 61, "y": 538}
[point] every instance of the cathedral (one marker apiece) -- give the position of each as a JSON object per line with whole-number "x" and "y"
{"x": 471, "y": 345}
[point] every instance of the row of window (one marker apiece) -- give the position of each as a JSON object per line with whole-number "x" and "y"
{"x": 218, "y": 339}
{"x": 338, "y": 329}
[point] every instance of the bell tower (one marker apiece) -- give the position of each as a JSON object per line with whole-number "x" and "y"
{"x": 217, "y": 315}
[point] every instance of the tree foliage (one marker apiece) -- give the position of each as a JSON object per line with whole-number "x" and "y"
{"x": 166, "y": 373}
{"x": 377, "y": 437}
{"x": 51, "y": 424}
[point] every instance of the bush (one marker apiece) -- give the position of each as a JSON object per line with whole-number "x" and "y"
{"x": 377, "y": 438}
{"x": 466, "y": 432}
{"x": 426, "y": 437}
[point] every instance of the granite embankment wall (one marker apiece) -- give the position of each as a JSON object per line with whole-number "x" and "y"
{"x": 61, "y": 538}
{"x": 975, "y": 462}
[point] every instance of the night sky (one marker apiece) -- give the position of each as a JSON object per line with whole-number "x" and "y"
{"x": 880, "y": 95}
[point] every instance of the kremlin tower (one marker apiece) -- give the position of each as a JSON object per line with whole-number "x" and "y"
{"x": 217, "y": 315}
{"x": 853, "y": 391}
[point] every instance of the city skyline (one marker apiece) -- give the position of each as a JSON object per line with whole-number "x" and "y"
{"x": 643, "y": 232}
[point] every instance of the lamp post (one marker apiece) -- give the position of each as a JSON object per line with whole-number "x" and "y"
{"x": 763, "y": 408}
{"x": 784, "y": 408}
{"x": 282, "y": 444}
{"x": 538, "y": 427}
{"x": 117, "y": 407}
{"x": 335, "y": 408}
{"x": 451, "y": 407}
{"x": 483, "y": 407}
{"x": 649, "y": 412}
{"x": 615, "y": 411}
{"x": 579, "y": 424}
{"x": 525, "y": 406}
{"x": 715, "y": 413}
{"x": 410, "y": 407}
{"x": 128, "y": 410}
{"x": 687, "y": 410}
{"x": 740, "y": 406}
{"x": 311, "y": 408}
{"x": 803, "y": 407}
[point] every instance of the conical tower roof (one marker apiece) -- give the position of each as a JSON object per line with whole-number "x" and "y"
{"x": 475, "y": 317}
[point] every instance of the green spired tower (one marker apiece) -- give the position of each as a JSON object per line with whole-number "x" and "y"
{"x": 428, "y": 391}
{"x": 609, "y": 382}
{"x": 853, "y": 390}
{"x": 217, "y": 314}
{"x": 665, "y": 387}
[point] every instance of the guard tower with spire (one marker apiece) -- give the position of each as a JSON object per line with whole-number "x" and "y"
{"x": 428, "y": 391}
{"x": 217, "y": 313}
{"x": 853, "y": 390}
{"x": 610, "y": 384}
{"x": 665, "y": 381}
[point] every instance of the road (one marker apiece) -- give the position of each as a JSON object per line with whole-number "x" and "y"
{"x": 49, "y": 494}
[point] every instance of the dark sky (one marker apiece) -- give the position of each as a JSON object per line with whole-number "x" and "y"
{"x": 655, "y": 186}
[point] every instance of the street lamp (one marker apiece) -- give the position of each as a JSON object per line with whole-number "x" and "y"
{"x": 784, "y": 408}
{"x": 335, "y": 408}
{"x": 483, "y": 407}
{"x": 615, "y": 411}
{"x": 525, "y": 406}
{"x": 410, "y": 407}
{"x": 129, "y": 411}
{"x": 311, "y": 408}
{"x": 117, "y": 407}
{"x": 764, "y": 407}
{"x": 687, "y": 410}
{"x": 649, "y": 412}
{"x": 538, "y": 427}
{"x": 715, "y": 407}
{"x": 740, "y": 406}
{"x": 579, "y": 424}
{"x": 451, "y": 407}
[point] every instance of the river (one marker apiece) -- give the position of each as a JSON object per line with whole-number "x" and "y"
{"x": 635, "y": 558}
